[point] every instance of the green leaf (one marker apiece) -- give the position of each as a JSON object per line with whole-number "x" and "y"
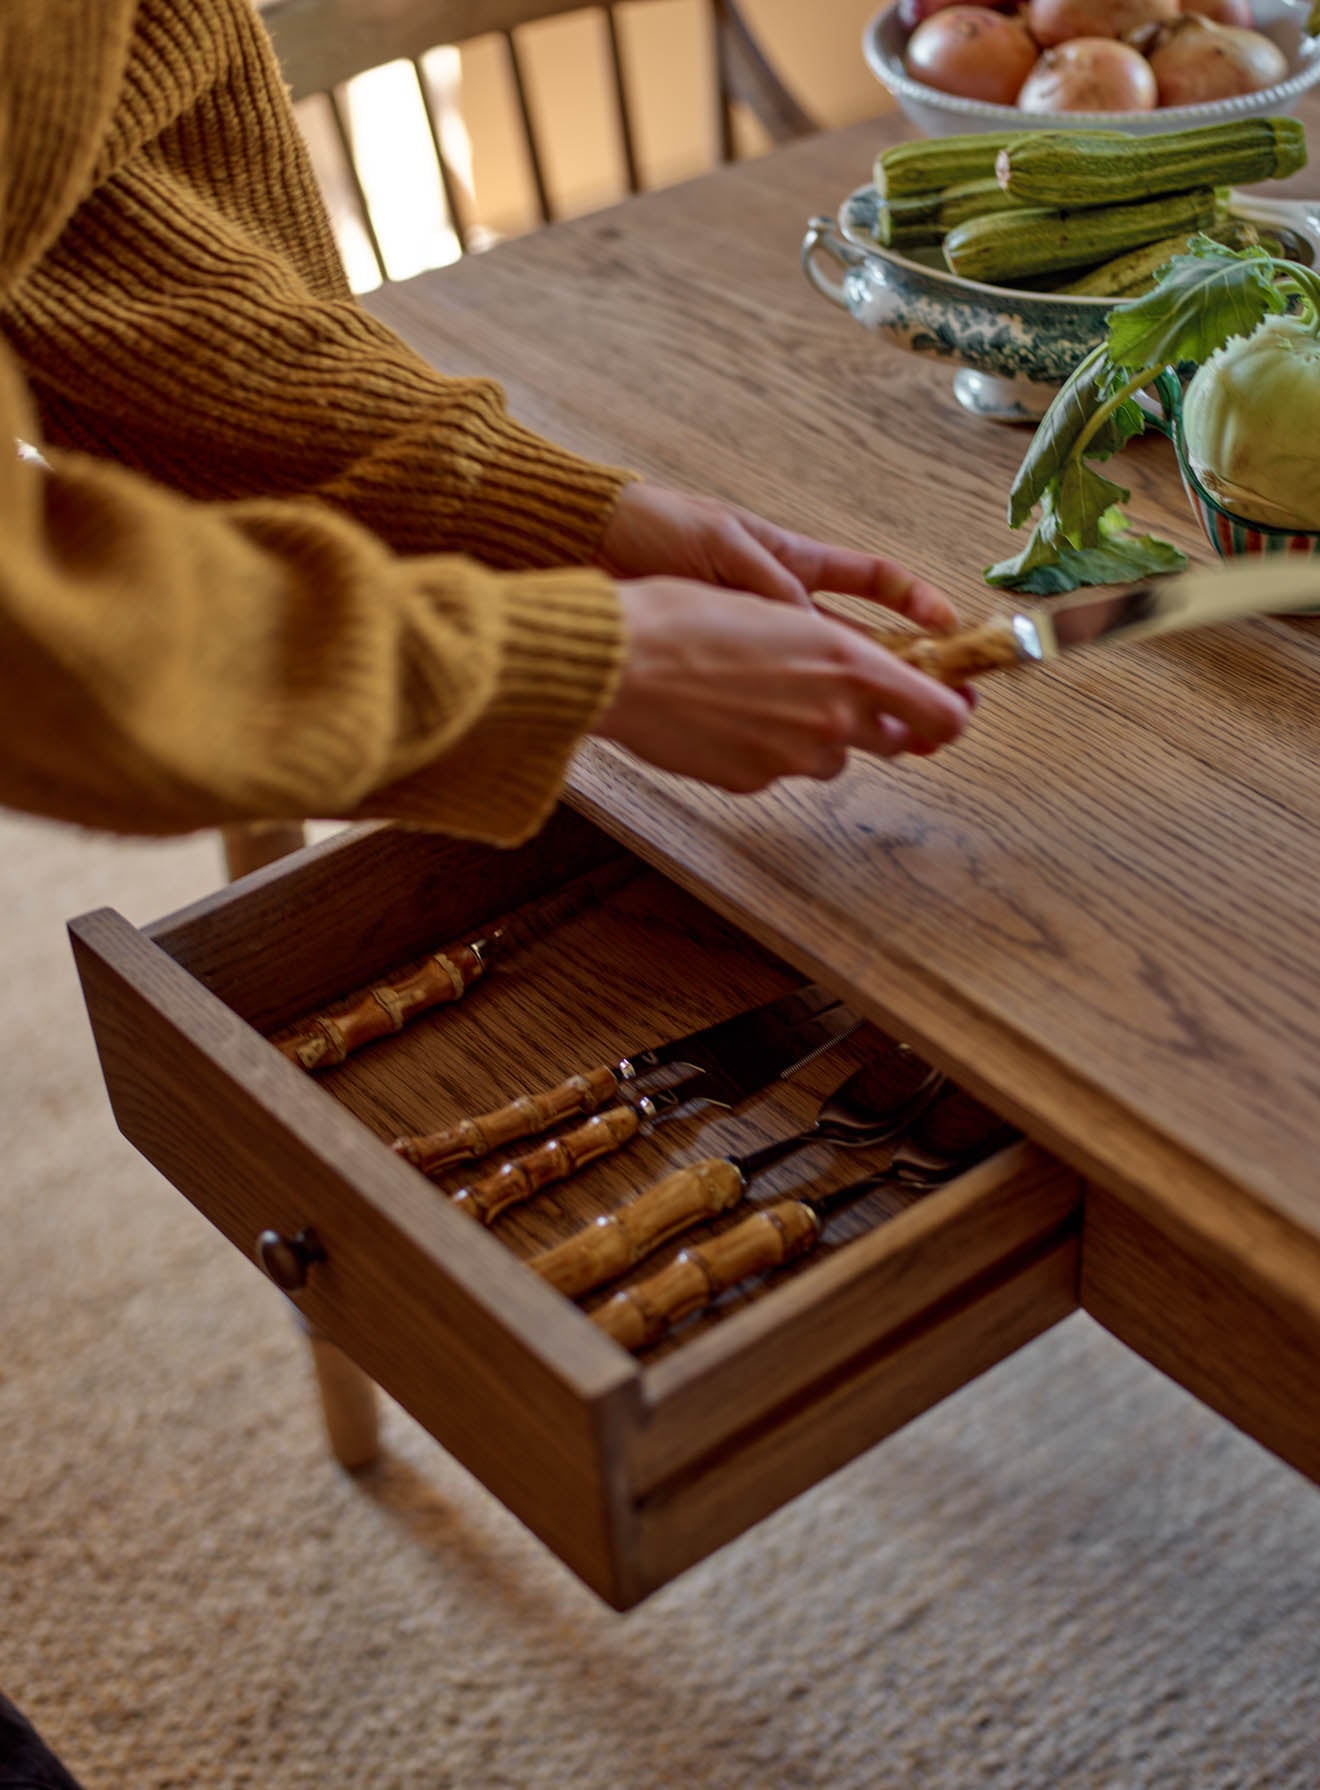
{"x": 1073, "y": 406}
{"x": 1050, "y": 564}
{"x": 1123, "y": 422}
{"x": 1202, "y": 300}
{"x": 1082, "y": 498}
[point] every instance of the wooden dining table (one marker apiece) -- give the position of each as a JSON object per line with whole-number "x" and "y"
{"x": 1101, "y": 910}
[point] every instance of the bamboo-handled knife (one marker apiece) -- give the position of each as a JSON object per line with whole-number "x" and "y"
{"x": 932, "y": 1155}
{"x": 723, "y": 1065}
{"x": 634, "y": 1077}
{"x": 1200, "y": 599}
{"x": 324, "y": 1039}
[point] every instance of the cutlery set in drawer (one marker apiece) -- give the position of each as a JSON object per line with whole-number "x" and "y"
{"x": 632, "y": 1118}
{"x": 913, "y": 1129}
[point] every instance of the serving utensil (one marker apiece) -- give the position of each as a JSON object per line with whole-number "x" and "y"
{"x": 873, "y": 1106}
{"x": 326, "y": 1038}
{"x": 700, "y": 1274}
{"x": 753, "y": 1050}
{"x": 1200, "y": 599}
{"x": 704, "y": 1053}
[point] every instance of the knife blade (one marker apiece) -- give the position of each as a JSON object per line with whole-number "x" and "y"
{"x": 1200, "y": 599}
{"x": 726, "y": 1084}
{"x": 760, "y": 1032}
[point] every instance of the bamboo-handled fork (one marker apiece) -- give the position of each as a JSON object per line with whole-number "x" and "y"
{"x": 699, "y": 1275}
{"x": 873, "y": 1106}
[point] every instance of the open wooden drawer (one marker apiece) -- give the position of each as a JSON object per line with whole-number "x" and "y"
{"x": 630, "y": 1469}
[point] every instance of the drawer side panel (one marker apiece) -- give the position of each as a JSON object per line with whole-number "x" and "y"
{"x": 495, "y": 1365}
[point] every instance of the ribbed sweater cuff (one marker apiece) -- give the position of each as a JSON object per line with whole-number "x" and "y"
{"x": 561, "y": 663}
{"x": 537, "y": 504}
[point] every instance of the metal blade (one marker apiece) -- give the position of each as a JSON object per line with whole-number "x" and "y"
{"x": 713, "y": 1045}
{"x": 735, "y": 1059}
{"x": 1251, "y": 586}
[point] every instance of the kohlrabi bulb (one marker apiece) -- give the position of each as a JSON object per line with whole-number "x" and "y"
{"x": 1251, "y": 424}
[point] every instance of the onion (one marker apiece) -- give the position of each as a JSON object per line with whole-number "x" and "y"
{"x": 1090, "y": 74}
{"x": 972, "y": 52}
{"x": 1058, "y": 21}
{"x": 1219, "y": 12}
{"x": 1196, "y": 60}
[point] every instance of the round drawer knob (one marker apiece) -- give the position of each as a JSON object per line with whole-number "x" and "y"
{"x": 288, "y": 1259}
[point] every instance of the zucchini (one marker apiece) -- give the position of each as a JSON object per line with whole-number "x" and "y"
{"x": 1128, "y": 276}
{"x": 1101, "y": 168}
{"x": 933, "y": 163}
{"x": 1009, "y": 244}
{"x": 919, "y": 221}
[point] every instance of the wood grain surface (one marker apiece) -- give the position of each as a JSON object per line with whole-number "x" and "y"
{"x": 1099, "y": 910}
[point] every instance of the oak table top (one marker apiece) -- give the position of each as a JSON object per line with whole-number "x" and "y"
{"x": 1100, "y": 909}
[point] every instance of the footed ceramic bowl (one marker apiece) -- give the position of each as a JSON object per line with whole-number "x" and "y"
{"x": 939, "y": 114}
{"x": 1012, "y": 348}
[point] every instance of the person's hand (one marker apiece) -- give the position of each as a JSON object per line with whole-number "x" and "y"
{"x": 737, "y": 692}
{"x": 655, "y": 532}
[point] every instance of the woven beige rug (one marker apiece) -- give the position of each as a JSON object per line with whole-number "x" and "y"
{"x": 1070, "y": 1575}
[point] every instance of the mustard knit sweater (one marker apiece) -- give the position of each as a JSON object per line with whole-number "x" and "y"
{"x": 275, "y": 565}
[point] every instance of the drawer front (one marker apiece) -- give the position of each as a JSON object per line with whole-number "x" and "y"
{"x": 628, "y": 1468}
{"x": 760, "y": 1468}
{"x": 838, "y": 1359}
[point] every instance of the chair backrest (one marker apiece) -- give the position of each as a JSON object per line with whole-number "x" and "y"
{"x": 322, "y": 44}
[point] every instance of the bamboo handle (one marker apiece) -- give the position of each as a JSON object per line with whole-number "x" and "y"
{"x": 638, "y": 1316}
{"x": 617, "y": 1240}
{"x": 953, "y": 658}
{"x": 327, "y": 1038}
{"x": 522, "y": 1176}
{"x": 525, "y": 1117}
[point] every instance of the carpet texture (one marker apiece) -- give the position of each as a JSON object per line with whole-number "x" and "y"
{"x": 1069, "y": 1575}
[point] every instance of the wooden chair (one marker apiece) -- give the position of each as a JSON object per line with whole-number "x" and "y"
{"x": 322, "y": 44}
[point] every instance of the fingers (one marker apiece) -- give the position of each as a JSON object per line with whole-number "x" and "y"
{"x": 820, "y": 567}
{"x": 931, "y": 710}
{"x": 740, "y": 561}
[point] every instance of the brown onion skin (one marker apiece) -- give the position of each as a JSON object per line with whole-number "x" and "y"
{"x": 1196, "y": 61}
{"x": 1090, "y": 74}
{"x": 1062, "y": 21}
{"x": 1224, "y": 12}
{"x": 973, "y": 52}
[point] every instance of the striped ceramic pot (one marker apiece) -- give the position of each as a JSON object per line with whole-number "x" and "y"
{"x": 1230, "y": 535}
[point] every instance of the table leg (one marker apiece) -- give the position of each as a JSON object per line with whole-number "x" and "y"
{"x": 257, "y": 843}
{"x": 348, "y": 1403}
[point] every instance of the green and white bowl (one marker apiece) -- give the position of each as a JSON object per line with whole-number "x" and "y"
{"x": 1012, "y": 348}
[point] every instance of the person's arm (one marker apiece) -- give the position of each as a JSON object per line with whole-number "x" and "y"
{"x": 191, "y": 320}
{"x": 167, "y": 665}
